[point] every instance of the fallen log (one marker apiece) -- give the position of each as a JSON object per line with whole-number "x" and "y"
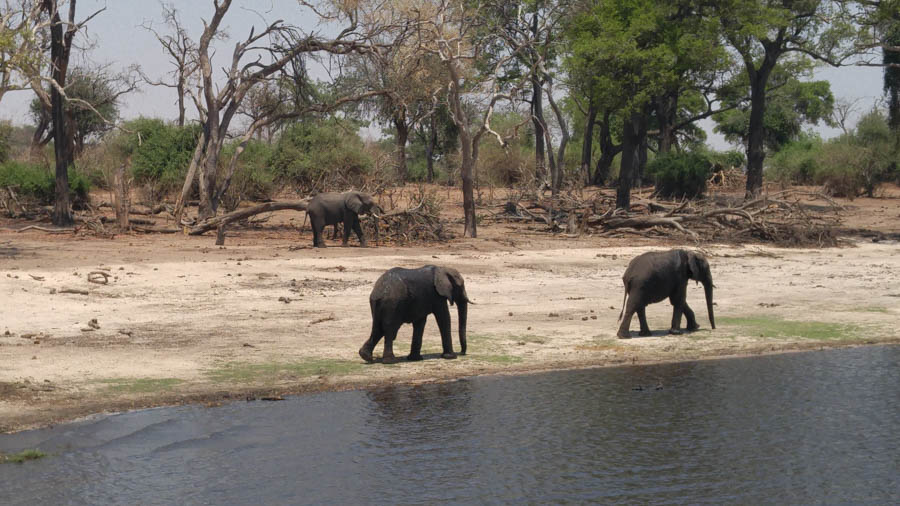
{"x": 242, "y": 214}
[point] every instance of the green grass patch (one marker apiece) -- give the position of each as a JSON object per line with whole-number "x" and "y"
{"x": 236, "y": 372}
{"x": 872, "y": 309}
{"x": 140, "y": 385}
{"x": 770, "y": 327}
{"x": 498, "y": 359}
{"x": 18, "y": 458}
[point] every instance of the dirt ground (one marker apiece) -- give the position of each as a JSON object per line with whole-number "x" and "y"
{"x": 182, "y": 320}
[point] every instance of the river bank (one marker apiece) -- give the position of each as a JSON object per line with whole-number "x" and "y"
{"x": 183, "y": 321}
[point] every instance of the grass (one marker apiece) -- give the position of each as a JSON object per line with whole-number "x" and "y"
{"x": 770, "y": 327}
{"x": 18, "y": 458}
{"x": 498, "y": 359}
{"x": 872, "y": 309}
{"x": 603, "y": 344}
{"x": 140, "y": 385}
{"x": 236, "y": 372}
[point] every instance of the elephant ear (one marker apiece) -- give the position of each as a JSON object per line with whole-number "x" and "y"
{"x": 443, "y": 282}
{"x": 695, "y": 265}
{"x": 354, "y": 203}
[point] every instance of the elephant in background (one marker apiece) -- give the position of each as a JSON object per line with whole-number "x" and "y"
{"x": 409, "y": 296}
{"x": 333, "y": 208}
{"x": 653, "y": 276}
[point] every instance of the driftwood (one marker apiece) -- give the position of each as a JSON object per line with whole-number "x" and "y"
{"x": 47, "y": 230}
{"x": 242, "y": 214}
{"x": 98, "y": 277}
{"x": 790, "y": 217}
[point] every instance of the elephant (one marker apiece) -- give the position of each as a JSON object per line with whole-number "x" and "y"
{"x": 653, "y": 276}
{"x": 409, "y": 296}
{"x": 333, "y": 208}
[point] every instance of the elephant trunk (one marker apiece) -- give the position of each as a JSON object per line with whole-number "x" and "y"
{"x": 462, "y": 307}
{"x": 708, "y": 288}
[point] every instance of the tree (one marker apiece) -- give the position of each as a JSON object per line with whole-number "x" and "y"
{"x": 454, "y": 33}
{"x": 92, "y": 107}
{"x": 764, "y": 33}
{"x": 790, "y": 105}
{"x": 21, "y": 27}
{"x": 252, "y": 65}
{"x": 180, "y": 50}
{"x": 61, "y": 37}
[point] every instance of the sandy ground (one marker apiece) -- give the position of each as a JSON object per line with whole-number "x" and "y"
{"x": 183, "y": 321}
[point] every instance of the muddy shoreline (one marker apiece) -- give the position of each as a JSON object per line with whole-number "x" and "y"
{"x": 181, "y": 321}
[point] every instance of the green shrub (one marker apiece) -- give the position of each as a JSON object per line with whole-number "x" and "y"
{"x": 797, "y": 162}
{"x": 252, "y": 179}
{"x": 856, "y": 163}
{"x": 680, "y": 174}
{"x": 307, "y": 154}
{"x": 5, "y": 135}
{"x": 39, "y": 182}
{"x": 160, "y": 152}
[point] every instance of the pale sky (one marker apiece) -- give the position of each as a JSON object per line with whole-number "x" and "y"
{"x": 121, "y": 41}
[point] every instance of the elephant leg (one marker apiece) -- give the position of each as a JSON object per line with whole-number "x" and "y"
{"x": 318, "y": 227}
{"x": 389, "y": 335}
{"x": 623, "y": 332}
{"x": 642, "y": 317}
{"x": 415, "y": 351}
{"x": 675, "y": 328}
{"x": 359, "y": 233}
{"x": 348, "y": 224}
{"x": 442, "y": 315}
{"x": 368, "y": 347}
{"x": 691, "y": 319}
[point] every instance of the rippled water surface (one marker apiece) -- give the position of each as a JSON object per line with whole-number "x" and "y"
{"x": 819, "y": 427}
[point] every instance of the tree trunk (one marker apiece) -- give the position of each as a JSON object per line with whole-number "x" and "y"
{"x": 196, "y": 161}
{"x": 631, "y": 144}
{"x": 120, "y": 188}
{"x": 608, "y": 151}
{"x": 755, "y": 150}
{"x": 537, "y": 117}
{"x": 59, "y": 56}
{"x": 666, "y": 108}
{"x": 642, "y": 155}
{"x": 430, "y": 144}
{"x": 180, "y": 103}
{"x": 587, "y": 143}
{"x": 402, "y": 137}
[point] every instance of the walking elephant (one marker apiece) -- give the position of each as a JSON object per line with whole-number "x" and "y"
{"x": 653, "y": 276}
{"x": 409, "y": 296}
{"x": 333, "y": 208}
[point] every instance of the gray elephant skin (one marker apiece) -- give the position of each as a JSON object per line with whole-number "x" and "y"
{"x": 654, "y": 276}
{"x": 409, "y": 296}
{"x": 333, "y": 208}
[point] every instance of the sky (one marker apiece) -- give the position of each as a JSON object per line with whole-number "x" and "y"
{"x": 120, "y": 40}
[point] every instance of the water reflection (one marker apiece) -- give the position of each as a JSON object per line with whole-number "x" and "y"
{"x": 803, "y": 428}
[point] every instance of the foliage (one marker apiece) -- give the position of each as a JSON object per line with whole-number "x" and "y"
{"x": 308, "y": 153}
{"x": 5, "y": 138}
{"x": 680, "y": 175}
{"x": 727, "y": 159}
{"x": 95, "y": 87}
{"x": 797, "y": 162}
{"x": 858, "y": 162}
{"x": 791, "y": 105}
{"x": 39, "y": 183}
{"x": 160, "y": 152}
{"x": 253, "y": 179}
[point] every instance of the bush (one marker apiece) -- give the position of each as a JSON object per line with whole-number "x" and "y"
{"x": 680, "y": 174}
{"x": 797, "y": 162}
{"x": 5, "y": 135}
{"x": 856, "y": 163}
{"x": 39, "y": 182}
{"x": 727, "y": 159}
{"x": 160, "y": 152}
{"x": 308, "y": 154}
{"x": 252, "y": 179}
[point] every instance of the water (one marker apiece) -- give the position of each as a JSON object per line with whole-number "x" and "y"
{"x": 819, "y": 427}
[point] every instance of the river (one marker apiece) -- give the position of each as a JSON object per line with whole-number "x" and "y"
{"x": 818, "y": 427}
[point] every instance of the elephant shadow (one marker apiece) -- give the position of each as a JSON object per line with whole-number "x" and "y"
{"x": 425, "y": 356}
{"x": 664, "y": 333}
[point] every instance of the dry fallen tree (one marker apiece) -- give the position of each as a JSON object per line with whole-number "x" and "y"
{"x": 790, "y": 217}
